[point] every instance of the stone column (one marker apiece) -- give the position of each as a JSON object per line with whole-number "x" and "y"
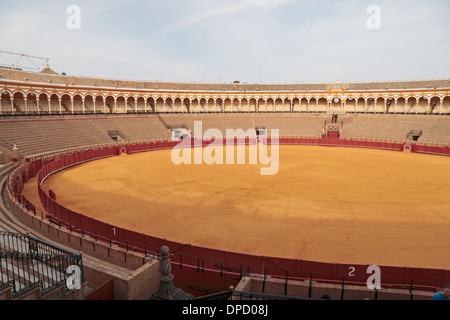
{"x": 167, "y": 290}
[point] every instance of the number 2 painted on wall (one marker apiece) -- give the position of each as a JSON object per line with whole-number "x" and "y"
{"x": 350, "y": 274}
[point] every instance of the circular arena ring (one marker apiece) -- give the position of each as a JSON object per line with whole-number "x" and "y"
{"x": 327, "y": 211}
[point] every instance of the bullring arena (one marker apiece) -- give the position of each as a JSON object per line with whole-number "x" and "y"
{"x": 361, "y": 181}
{"x": 315, "y": 208}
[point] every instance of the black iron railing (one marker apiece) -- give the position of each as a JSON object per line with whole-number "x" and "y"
{"x": 27, "y": 262}
{"x": 241, "y": 295}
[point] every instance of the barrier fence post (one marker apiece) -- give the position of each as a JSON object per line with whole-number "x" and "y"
{"x": 343, "y": 285}
{"x": 264, "y": 281}
{"x": 310, "y": 285}
{"x": 286, "y": 283}
{"x": 411, "y": 295}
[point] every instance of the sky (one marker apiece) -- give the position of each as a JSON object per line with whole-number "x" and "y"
{"x": 251, "y": 41}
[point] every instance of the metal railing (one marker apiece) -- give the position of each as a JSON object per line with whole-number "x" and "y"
{"x": 242, "y": 295}
{"x": 27, "y": 262}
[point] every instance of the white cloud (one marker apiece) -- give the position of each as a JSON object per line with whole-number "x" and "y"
{"x": 224, "y": 11}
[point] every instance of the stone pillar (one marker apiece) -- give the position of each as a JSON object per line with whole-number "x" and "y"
{"x": 167, "y": 290}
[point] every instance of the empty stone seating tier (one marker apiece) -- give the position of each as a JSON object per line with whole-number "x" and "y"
{"x": 37, "y": 135}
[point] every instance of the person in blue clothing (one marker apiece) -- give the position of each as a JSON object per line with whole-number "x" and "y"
{"x": 444, "y": 294}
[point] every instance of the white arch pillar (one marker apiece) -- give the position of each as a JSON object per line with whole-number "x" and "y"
{"x": 71, "y": 103}
{"x": 11, "y": 98}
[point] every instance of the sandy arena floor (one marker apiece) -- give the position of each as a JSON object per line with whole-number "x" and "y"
{"x": 343, "y": 205}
